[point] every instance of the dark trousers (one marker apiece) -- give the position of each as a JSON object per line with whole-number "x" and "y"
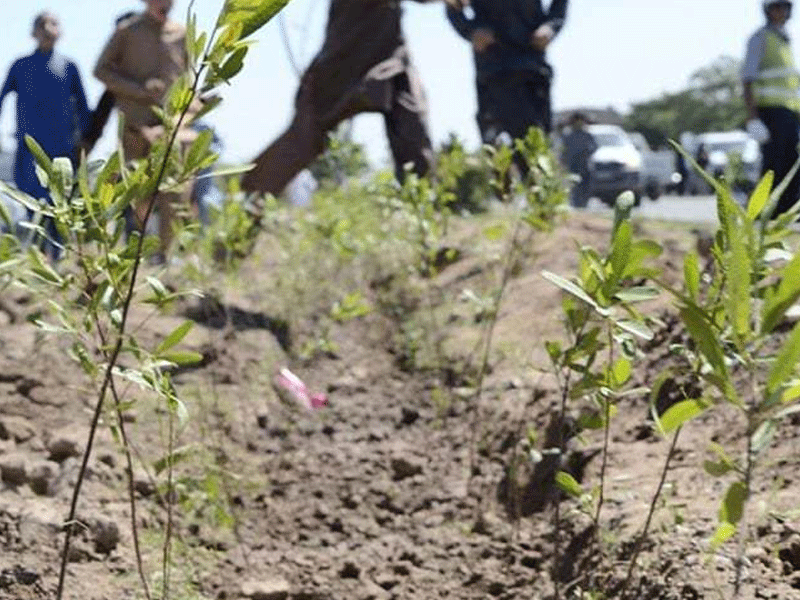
{"x": 512, "y": 102}
{"x": 780, "y": 153}
{"x": 396, "y": 98}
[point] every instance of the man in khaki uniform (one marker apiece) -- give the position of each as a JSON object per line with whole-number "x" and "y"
{"x": 143, "y": 58}
{"x": 363, "y": 66}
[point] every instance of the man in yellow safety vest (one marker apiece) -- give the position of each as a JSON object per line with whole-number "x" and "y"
{"x": 772, "y": 97}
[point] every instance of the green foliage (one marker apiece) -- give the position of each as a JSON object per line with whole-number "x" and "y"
{"x": 102, "y": 269}
{"x": 343, "y": 159}
{"x": 731, "y": 313}
{"x": 603, "y": 326}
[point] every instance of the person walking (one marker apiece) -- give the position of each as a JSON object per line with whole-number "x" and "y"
{"x": 363, "y": 66}
{"x": 771, "y": 95}
{"x": 105, "y": 105}
{"x": 51, "y": 108}
{"x": 579, "y": 145}
{"x": 509, "y": 39}
{"x": 144, "y": 57}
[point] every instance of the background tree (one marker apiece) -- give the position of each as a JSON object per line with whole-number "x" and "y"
{"x": 711, "y": 102}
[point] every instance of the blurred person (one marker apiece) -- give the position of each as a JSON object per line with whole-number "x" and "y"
{"x": 363, "y": 66}
{"x": 509, "y": 40}
{"x": 105, "y": 105}
{"x": 144, "y": 57}
{"x": 771, "y": 86}
{"x": 579, "y": 145}
{"x": 51, "y": 108}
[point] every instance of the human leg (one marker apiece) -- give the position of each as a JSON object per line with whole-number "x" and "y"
{"x": 301, "y": 143}
{"x": 406, "y": 127}
{"x": 780, "y": 152}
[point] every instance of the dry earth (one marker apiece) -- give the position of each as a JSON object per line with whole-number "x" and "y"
{"x": 371, "y": 497}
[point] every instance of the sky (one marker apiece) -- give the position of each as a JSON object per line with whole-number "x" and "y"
{"x": 610, "y": 53}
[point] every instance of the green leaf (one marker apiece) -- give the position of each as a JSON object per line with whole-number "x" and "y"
{"x": 760, "y": 196}
{"x": 553, "y": 351}
{"x": 724, "y": 532}
{"x": 640, "y": 293}
{"x": 704, "y": 337}
{"x": 640, "y": 251}
{"x": 791, "y": 393}
{"x": 24, "y": 199}
{"x": 621, "y": 249}
{"x": 40, "y": 156}
{"x": 691, "y": 275}
{"x": 174, "y": 338}
{"x": 785, "y": 363}
{"x": 717, "y": 469}
{"x": 621, "y": 372}
{"x": 680, "y": 413}
{"x": 182, "y": 358}
{"x": 495, "y": 232}
{"x": 568, "y": 485}
{"x": 575, "y": 290}
{"x": 251, "y": 14}
{"x": 177, "y": 455}
{"x": 636, "y": 328}
{"x": 763, "y": 435}
{"x": 787, "y": 293}
{"x": 208, "y": 105}
{"x": 739, "y": 271}
{"x": 233, "y": 64}
{"x": 732, "y": 507}
{"x": 198, "y": 149}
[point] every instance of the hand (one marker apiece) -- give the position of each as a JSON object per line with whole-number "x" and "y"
{"x": 155, "y": 88}
{"x": 482, "y": 38}
{"x": 542, "y": 37}
{"x": 757, "y": 130}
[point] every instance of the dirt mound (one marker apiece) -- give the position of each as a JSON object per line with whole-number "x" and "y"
{"x": 390, "y": 491}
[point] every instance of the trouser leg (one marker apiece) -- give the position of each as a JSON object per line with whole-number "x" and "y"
{"x": 407, "y": 130}
{"x": 294, "y": 150}
{"x": 512, "y": 102}
{"x": 278, "y": 164}
{"x": 780, "y": 153}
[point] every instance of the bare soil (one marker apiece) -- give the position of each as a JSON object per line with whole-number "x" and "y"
{"x": 374, "y": 496}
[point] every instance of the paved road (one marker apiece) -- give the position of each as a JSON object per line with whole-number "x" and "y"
{"x": 695, "y": 209}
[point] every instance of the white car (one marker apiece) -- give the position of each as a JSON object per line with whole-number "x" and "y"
{"x": 723, "y": 146}
{"x": 615, "y": 166}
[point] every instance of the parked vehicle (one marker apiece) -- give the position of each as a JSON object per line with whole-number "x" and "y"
{"x": 659, "y": 172}
{"x": 615, "y": 166}
{"x": 731, "y": 154}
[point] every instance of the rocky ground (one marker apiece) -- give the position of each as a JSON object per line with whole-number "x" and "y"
{"x": 377, "y": 496}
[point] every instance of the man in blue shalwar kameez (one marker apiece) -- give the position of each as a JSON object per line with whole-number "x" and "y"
{"x": 51, "y": 108}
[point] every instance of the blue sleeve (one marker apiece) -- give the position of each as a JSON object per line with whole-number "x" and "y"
{"x": 462, "y": 24}
{"x": 557, "y": 14}
{"x": 82, "y": 112}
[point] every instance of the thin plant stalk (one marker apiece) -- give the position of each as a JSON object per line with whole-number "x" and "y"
{"x": 653, "y": 502}
{"x": 117, "y": 348}
{"x": 510, "y": 257}
{"x": 167, "y": 549}
{"x": 748, "y": 475}
{"x": 606, "y": 432}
